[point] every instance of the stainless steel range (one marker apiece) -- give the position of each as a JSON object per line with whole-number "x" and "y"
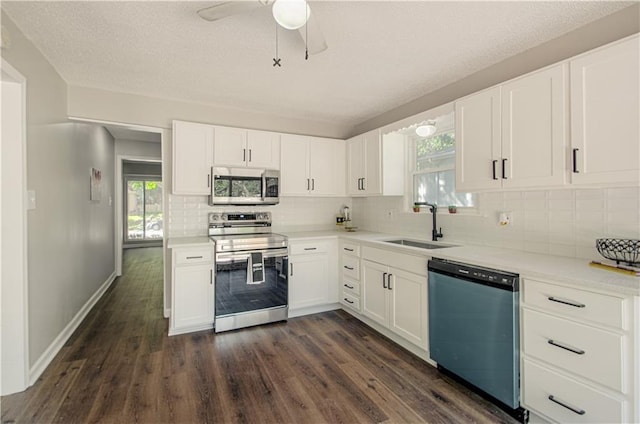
{"x": 251, "y": 283}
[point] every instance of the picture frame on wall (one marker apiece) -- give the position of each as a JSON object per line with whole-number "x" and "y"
{"x": 96, "y": 185}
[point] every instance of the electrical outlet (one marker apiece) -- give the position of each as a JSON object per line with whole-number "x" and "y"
{"x": 505, "y": 218}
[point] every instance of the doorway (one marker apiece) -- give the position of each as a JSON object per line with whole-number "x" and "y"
{"x": 143, "y": 223}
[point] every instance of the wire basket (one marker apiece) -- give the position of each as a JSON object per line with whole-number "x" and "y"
{"x": 620, "y": 250}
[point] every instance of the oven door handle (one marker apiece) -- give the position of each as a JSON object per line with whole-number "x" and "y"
{"x": 227, "y": 257}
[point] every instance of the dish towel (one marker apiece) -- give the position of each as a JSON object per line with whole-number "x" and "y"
{"x": 256, "y": 268}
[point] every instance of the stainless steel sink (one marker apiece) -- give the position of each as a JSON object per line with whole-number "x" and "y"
{"x": 419, "y": 244}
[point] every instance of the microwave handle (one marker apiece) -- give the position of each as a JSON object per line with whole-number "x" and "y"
{"x": 263, "y": 192}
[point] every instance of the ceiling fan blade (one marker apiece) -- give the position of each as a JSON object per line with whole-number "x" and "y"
{"x": 315, "y": 40}
{"x": 228, "y": 8}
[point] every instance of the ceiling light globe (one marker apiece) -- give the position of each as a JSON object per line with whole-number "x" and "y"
{"x": 291, "y": 14}
{"x": 426, "y": 130}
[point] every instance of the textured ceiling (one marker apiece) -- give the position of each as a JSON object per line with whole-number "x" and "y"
{"x": 381, "y": 54}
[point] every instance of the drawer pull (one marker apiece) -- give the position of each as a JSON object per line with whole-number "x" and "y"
{"x": 566, "y": 302}
{"x": 348, "y": 286}
{"x": 570, "y": 408}
{"x": 194, "y": 257}
{"x": 350, "y": 268}
{"x": 570, "y": 349}
{"x": 347, "y": 249}
{"x": 348, "y": 301}
{"x": 310, "y": 248}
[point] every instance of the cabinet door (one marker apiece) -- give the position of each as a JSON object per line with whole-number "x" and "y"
{"x": 355, "y": 165}
{"x": 478, "y": 141}
{"x": 263, "y": 150}
{"x": 375, "y": 292}
{"x": 534, "y": 121}
{"x": 324, "y": 168}
{"x": 294, "y": 176}
{"x": 192, "y": 158}
{"x": 604, "y": 114}
{"x": 193, "y": 296}
{"x": 308, "y": 280}
{"x": 230, "y": 147}
{"x": 372, "y": 163}
{"x": 408, "y": 312}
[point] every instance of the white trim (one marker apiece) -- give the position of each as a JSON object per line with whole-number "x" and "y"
{"x": 10, "y": 75}
{"x": 299, "y": 312}
{"x": 47, "y": 356}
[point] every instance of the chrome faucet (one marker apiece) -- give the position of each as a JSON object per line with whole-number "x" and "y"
{"x": 435, "y": 234}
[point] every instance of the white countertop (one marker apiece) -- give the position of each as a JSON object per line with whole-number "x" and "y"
{"x": 576, "y": 272}
{"x": 198, "y": 241}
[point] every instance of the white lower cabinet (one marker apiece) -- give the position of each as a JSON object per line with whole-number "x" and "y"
{"x": 397, "y": 300}
{"x": 578, "y": 354}
{"x": 192, "y": 294}
{"x": 312, "y": 276}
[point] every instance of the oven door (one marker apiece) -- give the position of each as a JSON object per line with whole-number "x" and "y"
{"x": 250, "y": 281}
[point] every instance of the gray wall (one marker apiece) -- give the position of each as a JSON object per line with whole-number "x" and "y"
{"x": 70, "y": 239}
{"x": 139, "y": 149}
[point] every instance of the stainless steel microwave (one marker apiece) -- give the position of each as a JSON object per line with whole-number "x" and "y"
{"x": 244, "y": 186}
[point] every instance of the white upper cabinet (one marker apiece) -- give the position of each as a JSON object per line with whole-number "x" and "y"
{"x": 478, "y": 141}
{"x": 239, "y": 147}
{"x": 192, "y": 158}
{"x": 605, "y": 132}
{"x": 312, "y": 166}
{"x": 373, "y": 165}
{"x": 513, "y": 135}
{"x": 534, "y": 126}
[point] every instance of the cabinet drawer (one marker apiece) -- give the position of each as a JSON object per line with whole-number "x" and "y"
{"x": 350, "y": 301}
{"x": 350, "y": 249}
{"x": 590, "y": 405}
{"x": 193, "y": 256}
{"x": 351, "y": 267}
{"x": 585, "y": 305}
{"x": 351, "y": 287}
{"x": 587, "y": 351}
{"x": 297, "y": 248}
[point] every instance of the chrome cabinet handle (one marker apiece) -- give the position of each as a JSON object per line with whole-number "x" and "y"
{"x": 389, "y": 281}
{"x": 348, "y": 301}
{"x": 565, "y": 347}
{"x": 348, "y": 286}
{"x": 384, "y": 280}
{"x": 566, "y": 302}
{"x": 570, "y": 408}
{"x": 194, "y": 257}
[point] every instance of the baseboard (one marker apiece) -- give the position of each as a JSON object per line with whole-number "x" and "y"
{"x": 298, "y": 312}
{"x": 167, "y": 312}
{"x": 45, "y": 359}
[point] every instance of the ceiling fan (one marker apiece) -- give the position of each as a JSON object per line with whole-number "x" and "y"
{"x": 289, "y": 14}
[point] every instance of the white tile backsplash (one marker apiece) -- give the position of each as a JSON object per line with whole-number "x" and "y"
{"x": 562, "y": 222}
{"x": 188, "y": 214}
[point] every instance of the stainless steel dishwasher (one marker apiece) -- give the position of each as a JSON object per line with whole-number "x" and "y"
{"x": 474, "y": 329}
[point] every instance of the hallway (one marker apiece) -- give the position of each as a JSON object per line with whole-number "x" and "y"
{"x": 121, "y": 367}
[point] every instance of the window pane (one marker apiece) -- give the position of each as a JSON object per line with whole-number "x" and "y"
{"x": 135, "y": 210}
{"x": 439, "y": 188}
{"x": 153, "y": 210}
{"x": 431, "y": 151}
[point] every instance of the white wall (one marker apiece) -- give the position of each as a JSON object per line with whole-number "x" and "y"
{"x": 137, "y": 148}
{"x": 70, "y": 239}
{"x": 563, "y": 222}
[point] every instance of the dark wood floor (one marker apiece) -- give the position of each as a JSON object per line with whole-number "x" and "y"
{"x": 120, "y": 367}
